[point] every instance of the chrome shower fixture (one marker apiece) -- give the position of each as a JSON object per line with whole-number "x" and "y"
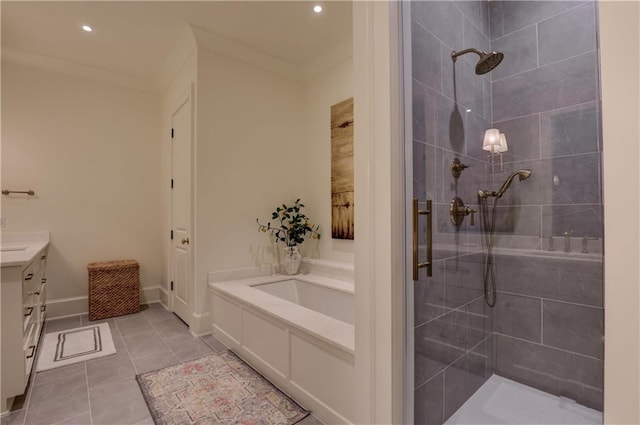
{"x": 488, "y": 60}
{"x": 522, "y": 175}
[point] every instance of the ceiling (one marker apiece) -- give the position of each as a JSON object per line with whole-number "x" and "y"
{"x": 134, "y": 37}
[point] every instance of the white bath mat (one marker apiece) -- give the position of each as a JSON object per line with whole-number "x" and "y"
{"x": 75, "y": 345}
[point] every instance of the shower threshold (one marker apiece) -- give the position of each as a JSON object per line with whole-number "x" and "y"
{"x": 503, "y": 401}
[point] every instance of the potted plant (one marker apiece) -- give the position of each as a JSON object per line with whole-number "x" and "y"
{"x": 291, "y": 227}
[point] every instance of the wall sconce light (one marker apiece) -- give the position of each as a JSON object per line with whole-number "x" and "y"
{"x": 495, "y": 143}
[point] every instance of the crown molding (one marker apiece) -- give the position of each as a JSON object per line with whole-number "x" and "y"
{"x": 224, "y": 46}
{"x": 37, "y": 60}
{"x": 181, "y": 50}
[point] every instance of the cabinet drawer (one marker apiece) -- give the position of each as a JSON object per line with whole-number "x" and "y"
{"x": 29, "y": 313}
{"x": 30, "y": 345}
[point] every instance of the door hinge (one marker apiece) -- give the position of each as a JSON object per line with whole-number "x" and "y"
{"x": 172, "y": 133}
{"x": 172, "y": 235}
{"x": 172, "y": 285}
{"x": 171, "y": 183}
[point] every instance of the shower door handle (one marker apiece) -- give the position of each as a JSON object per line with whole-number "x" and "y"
{"x": 416, "y": 262}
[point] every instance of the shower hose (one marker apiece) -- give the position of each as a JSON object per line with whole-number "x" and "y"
{"x": 489, "y": 224}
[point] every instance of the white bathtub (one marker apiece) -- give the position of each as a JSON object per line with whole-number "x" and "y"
{"x": 298, "y": 332}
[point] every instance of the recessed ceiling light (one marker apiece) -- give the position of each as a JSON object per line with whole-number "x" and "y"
{"x": 317, "y": 8}
{"x": 87, "y": 28}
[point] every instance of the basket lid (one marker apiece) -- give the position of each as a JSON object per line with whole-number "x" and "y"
{"x": 113, "y": 264}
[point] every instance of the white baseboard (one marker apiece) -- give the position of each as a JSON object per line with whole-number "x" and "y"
{"x": 63, "y": 307}
{"x": 201, "y": 324}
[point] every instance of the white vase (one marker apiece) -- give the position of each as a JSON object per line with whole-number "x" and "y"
{"x": 290, "y": 260}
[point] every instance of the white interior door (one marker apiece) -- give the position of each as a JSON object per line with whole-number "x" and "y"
{"x": 181, "y": 242}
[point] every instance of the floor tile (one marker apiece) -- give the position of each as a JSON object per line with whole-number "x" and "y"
{"x": 187, "y": 347}
{"x": 57, "y": 374}
{"x": 171, "y": 327}
{"x": 57, "y": 325}
{"x": 58, "y": 400}
{"x": 110, "y": 368}
{"x": 144, "y": 344}
{"x": 147, "y": 421}
{"x": 131, "y": 325}
{"x": 155, "y": 361}
{"x": 118, "y": 402}
{"x": 14, "y": 418}
{"x": 214, "y": 343}
{"x": 156, "y": 314}
{"x": 82, "y": 419}
{"x": 86, "y": 322}
{"x": 310, "y": 420}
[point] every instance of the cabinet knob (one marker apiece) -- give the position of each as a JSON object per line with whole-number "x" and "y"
{"x": 29, "y": 311}
{"x": 44, "y": 280}
{"x": 29, "y": 276}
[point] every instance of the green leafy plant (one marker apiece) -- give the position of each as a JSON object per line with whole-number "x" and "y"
{"x": 293, "y": 225}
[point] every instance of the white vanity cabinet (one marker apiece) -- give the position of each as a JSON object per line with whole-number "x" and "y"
{"x": 24, "y": 307}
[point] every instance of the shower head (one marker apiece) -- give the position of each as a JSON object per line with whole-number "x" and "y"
{"x": 522, "y": 175}
{"x": 488, "y": 60}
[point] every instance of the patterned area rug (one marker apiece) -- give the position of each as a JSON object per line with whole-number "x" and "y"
{"x": 216, "y": 389}
{"x": 75, "y": 345}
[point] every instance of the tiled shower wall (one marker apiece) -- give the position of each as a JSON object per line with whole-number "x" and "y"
{"x": 546, "y": 330}
{"x": 451, "y": 109}
{"x": 548, "y": 323}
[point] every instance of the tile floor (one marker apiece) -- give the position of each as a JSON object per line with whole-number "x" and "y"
{"x": 104, "y": 391}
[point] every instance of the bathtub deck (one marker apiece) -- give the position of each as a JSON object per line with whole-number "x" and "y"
{"x": 503, "y": 401}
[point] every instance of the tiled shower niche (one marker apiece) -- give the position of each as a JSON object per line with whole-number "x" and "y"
{"x": 546, "y": 329}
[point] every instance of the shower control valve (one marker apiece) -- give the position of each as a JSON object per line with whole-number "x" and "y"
{"x": 458, "y": 211}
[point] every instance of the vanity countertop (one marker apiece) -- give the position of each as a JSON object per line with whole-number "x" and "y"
{"x": 19, "y": 248}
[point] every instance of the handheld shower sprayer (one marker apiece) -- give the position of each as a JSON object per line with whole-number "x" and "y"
{"x": 522, "y": 175}
{"x": 489, "y": 225}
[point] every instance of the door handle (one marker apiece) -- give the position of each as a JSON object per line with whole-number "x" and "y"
{"x": 416, "y": 262}
{"x": 185, "y": 241}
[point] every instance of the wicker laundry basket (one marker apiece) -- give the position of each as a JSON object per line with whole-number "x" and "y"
{"x": 114, "y": 288}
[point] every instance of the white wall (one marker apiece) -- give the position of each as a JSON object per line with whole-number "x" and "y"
{"x": 183, "y": 81}
{"x": 620, "y": 71}
{"x": 330, "y": 87}
{"x": 90, "y": 152}
{"x": 250, "y": 156}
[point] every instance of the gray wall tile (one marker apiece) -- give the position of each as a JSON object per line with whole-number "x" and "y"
{"x": 575, "y": 328}
{"x": 580, "y": 220}
{"x": 424, "y": 171}
{"x": 424, "y": 113}
{"x": 568, "y": 82}
{"x": 508, "y": 16}
{"x": 461, "y": 83}
{"x": 569, "y": 131}
{"x": 551, "y": 370}
{"x": 425, "y": 57}
{"x": 477, "y": 12}
{"x": 442, "y": 18}
{"x": 450, "y": 132}
{"x": 428, "y": 402}
{"x": 567, "y": 35}
{"x": 437, "y": 345}
{"x": 473, "y": 38}
{"x": 518, "y": 316}
{"x": 577, "y": 281}
{"x": 515, "y": 220}
{"x": 576, "y": 179}
{"x": 475, "y": 126}
{"x": 428, "y": 296}
{"x": 520, "y": 50}
{"x": 466, "y": 375}
{"x": 523, "y": 138}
